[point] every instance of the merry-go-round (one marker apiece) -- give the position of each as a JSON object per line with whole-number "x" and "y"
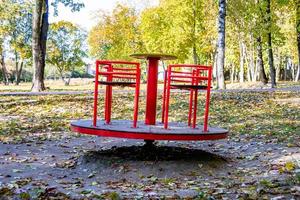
{"x": 189, "y": 77}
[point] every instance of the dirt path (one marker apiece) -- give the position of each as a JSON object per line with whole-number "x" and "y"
{"x": 94, "y": 167}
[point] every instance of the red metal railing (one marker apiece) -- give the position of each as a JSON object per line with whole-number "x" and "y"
{"x": 197, "y": 75}
{"x": 122, "y": 74}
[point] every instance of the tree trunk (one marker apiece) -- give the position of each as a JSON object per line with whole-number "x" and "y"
{"x": 271, "y": 61}
{"x": 67, "y": 82}
{"x": 297, "y": 77}
{"x": 4, "y": 71}
{"x": 260, "y": 62}
{"x": 251, "y": 60}
{"x": 232, "y": 73}
{"x": 214, "y": 58}
{"x": 39, "y": 39}
{"x": 19, "y": 73}
{"x": 62, "y": 77}
{"x": 195, "y": 55}
{"x": 298, "y": 34}
{"x": 221, "y": 44}
{"x": 269, "y": 42}
{"x": 278, "y": 69}
{"x": 241, "y": 74}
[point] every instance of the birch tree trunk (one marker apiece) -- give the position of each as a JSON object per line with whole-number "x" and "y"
{"x": 39, "y": 38}
{"x": 297, "y": 78}
{"x": 298, "y": 35}
{"x": 221, "y": 45}
{"x": 241, "y": 74}
{"x": 232, "y": 73}
{"x": 251, "y": 60}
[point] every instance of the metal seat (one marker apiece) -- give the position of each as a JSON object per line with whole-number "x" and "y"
{"x": 189, "y": 87}
{"x": 191, "y": 78}
{"x": 115, "y": 74}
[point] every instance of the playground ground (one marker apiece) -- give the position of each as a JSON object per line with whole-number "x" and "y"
{"x": 41, "y": 159}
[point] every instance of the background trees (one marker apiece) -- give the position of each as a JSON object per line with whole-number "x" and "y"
{"x": 40, "y": 26}
{"x": 66, "y": 49}
{"x": 115, "y": 36}
{"x": 15, "y": 31}
{"x": 262, "y": 36}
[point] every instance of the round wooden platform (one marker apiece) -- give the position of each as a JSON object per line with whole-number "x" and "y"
{"x": 123, "y": 129}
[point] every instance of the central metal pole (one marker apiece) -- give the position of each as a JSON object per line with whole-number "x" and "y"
{"x": 151, "y": 91}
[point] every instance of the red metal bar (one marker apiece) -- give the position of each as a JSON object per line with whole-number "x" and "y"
{"x": 207, "y": 102}
{"x": 190, "y": 65}
{"x": 190, "y": 108}
{"x": 150, "y": 118}
{"x": 105, "y": 62}
{"x": 195, "y": 108}
{"x": 192, "y": 77}
{"x": 124, "y": 69}
{"x": 106, "y": 100}
{"x": 167, "y": 98}
{"x": 164, "y": 98}
{"x": 117, "y": 73}
{"x": 182, "y": 81}
{"x": 177, "y": 72}
{"x": 195, "y": 82}
{"x": 96, "y": 95}
{"x": 124, "y": 77}
{"x": 108, "y": 97}
{"x": 136, "y": 98}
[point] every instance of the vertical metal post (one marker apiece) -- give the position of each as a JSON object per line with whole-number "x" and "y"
{"x": 195, "y": 82}
{"x": 109, "y": 94}
{"x": 136, "y": 98}
{"x": 191, "y": 102}
{"x": 96, "y": 94}
{"x": 205, "y": 127}
{"x": 168, "y": 97}
{"x": 151, "y": 91}
{"x": 164, "y": 98}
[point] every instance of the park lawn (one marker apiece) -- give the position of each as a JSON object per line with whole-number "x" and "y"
{"x": 266, "y": 115}
{"x": 87, "y": 84}
{"x": 76, "y": 84}
{"x": 259, "y": 159}
{"x": 52, "y": 85}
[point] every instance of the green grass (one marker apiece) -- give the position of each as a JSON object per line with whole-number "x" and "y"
{"x": 79, "y": 84}
{"x": 255, "y": 114}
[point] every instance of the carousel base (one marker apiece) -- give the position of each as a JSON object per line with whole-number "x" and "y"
{"x": 123, "y": 129}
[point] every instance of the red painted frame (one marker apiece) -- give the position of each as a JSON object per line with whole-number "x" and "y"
{"x": 119, "y": 73}
{"x": 193, "y": 78}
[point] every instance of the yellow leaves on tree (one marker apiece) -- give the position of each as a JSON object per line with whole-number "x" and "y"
{"x": 115, "y": 36}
